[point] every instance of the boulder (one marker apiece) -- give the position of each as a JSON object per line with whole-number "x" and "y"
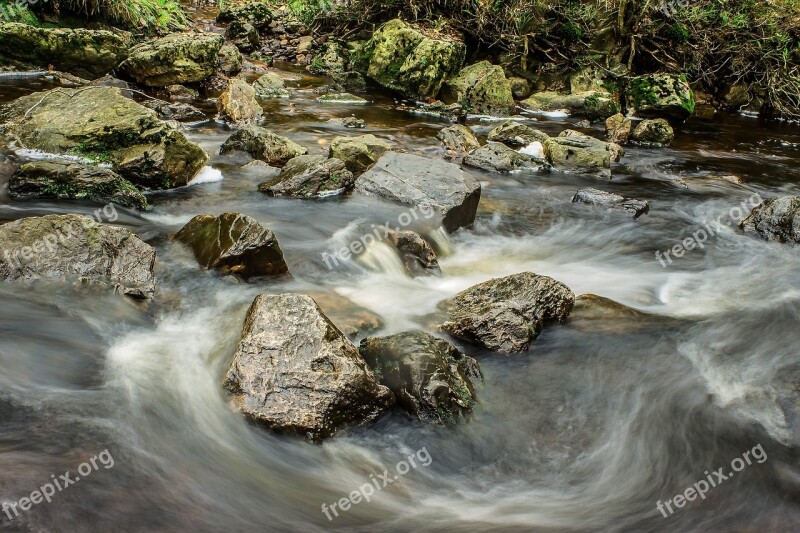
{"x": 609, "y": 200}
{"x": 576, "y": 152}
{"x": 359, "y": 153}
{"x": 73, "y": 181}
{"x": 506, "y": 314}
{"x": 655, "y": 133}
{"x": 413, "y": 180}
{"x": 238, "y": 104}
{"x": 520, "y": 87}
{"x": 516, "y": 135}
{"x": 594, "y": 105}
{"x": 481, "y": 88}
{"x": 295, "y": 372}
{"x": 235, "y": 244}
{"x": 229, "y": 59}
{"x": 255, "y": 13}
{"x": 243, "y": 35}
{"x": 430, "y": 378}
{"x": 76, "y": 248}
{"x": 310, "y": 176}
{"x": 353, "y": 122}
{"x": 341, "y": 98}
{"x": 104, "y": 126}
{"x": 176, "y": 58}
{"x": 497, "y": 157}
{"x": 404, "y": 59}
{"x": 418, "y": 257}
{"x": 458, "y": 138}
{"x": 86, "y": 53}
{"x": 776, "y": 220}
{"x": 262, "y": 144}
{"x": 270, "y": 85}
{"x": 351, "y": 318}
{"x": 174, "y": 110}
{"x": 661, "y": 96}
{"x": 619, "y": 128}
{"x": 348, "y": 81}
{"x": 330, "y": 59}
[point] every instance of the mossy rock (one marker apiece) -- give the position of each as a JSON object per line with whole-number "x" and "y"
{"x": 594, "y": 105}
{"x": 176, "y": 58}
{"x": 255, "y": 13}
{"x": 270, "y": 85}
{"x": 481, "y": 88}
{"x": 359, "y": 153}
{"x": 661, "y": 96}
{"x": 263, "y": 145}
{"x": 655, "y": 133}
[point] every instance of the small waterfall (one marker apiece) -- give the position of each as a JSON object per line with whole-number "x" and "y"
{"x": 440, "y": 241}
{"x": 381, "y": 257}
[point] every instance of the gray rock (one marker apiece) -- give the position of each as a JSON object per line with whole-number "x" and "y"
{"x": 419, "y": 258}
{"x": 591, "y": 104}
{"x": 655, "y": 133}
{"x": 516, "y": 135}
{"x": 229, "y": 59}
{"x": 580, "y": 153}
{"x": 310, "y": 176}
{"x": 458, "y": 138}
{"x": 244, "y": 36}
{"x": 235, "y": 244}
{"x": 238, "y": 104}
{"x": 359, "y": 153}
{"x": 430, "y": 377}
{"x": 176, "y": 58}
{"x": 507, "y": 314}
{"x": 295, "y": 372}
{"x": 174, "y": 111}
{"x": 353, "y": 122}
{"x": 452, "y": 112}
{"x": 776, "y": 220}
{"x": 597, "y": 197}
{"x": 497, "y": 157}
{"x": 413, "y": 180}
{"x": 270, "y": 85}
{"x": 262, "y": 144}
{"x": 76, "y": 248}
{"x": 73, "y": 181}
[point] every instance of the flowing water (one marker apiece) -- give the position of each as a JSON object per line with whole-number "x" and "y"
{"x": 600, "y": 420}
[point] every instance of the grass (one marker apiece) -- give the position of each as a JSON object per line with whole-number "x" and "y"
{"x": 147, "y": 16}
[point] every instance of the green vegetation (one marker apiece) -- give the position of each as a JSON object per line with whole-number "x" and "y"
{"x": 150, "y": 16}
{"x": 10, "y": 11}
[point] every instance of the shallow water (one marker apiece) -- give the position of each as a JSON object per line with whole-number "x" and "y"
{"x": 586, "y": 432}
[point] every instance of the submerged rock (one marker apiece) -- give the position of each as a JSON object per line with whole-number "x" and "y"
{"x": 576, "y": 152}
{"x": 619, "y": 128}
{"x": 654, "y": 133}
{"x": 430, "y": 377}
{"x": 597, "y": 197}
{"x": 458, "y": 138}
{"x": 418, "y": 257}
{"x": 341, "y": 98}
{"x": 594, "y": 105}
{"x": 76, "y": 248}
{"x": 104, "y": 126}
{"x": 87, "y": 53}
{"x": 238, "y": 103}
{"x": 438, "y": 109}
{"x": 234, "y": 244}
{"x": 351, "y": 318}
{"x": 310, "y": 176}
{"x": 402, "y": 58}
{"x": 262, "y": 144}
{"x": 497, "y": 157}
{"x": 775, "y": 220}
{"x": 73, "y": 181}
{"x": 270, "y": 85}
{"x": 295, "y": 372}
{"x": 507, "y": 314}
{"x": 516, "y": 135}
{"x": 661, "y": 96}
{"x": 481, "y": 88}
{"x": 413, "y": 180}
{"x": 353, "y": 122}
{"x": 174, "y": 111}
{"x": 176, "y": 58}
{"x": 359, "y": 153}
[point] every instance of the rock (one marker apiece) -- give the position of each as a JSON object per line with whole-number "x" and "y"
{"x": 730, "y": 178}
{"x": 174, "y": 111}
{"x": 348, "y": 81}
{"x": 359, "y": 153}
{"x": 262, "y": 144}
{"x": 176, "y": 58}
{"x": 497, "y": 157}
{"x": 75, "y": 247}
{"x": 104, "y": 126}
{"x": 353, "y": 122}
{"x": 430, "y": 377}
{"x": 595, "y": 105}
{"x": 417, "y": 255}
{"x": 181, "y": 93}
{"x": 244, "y": 36}
{"x": 87, "y": 53}
{"x": 580, "y": 153}
{"x": 270, "y": 85}
{"x": 587, "y": 79}
{"x": 458, "y": 138}
{"x": 612, "y": 201}
{"x": 255, "y": 13}
{"x": 520, "y": 87}
{"x": 507, "y": 314}
{"x": 619, "y": 128}
{"x": 403, "y": 59}
{"x": 238, "y": 104}
{"x": 661, "y": 96}
{"x": 514, "y": 134}
{"x": 295, "y": 372}
{"x": 310, "y": 176}
{"x": 341, "y": 98}
{"x": 776, "y": 220}
{"x": 73, "y": 181}
{"x": 229, "y": 59}
{"x": 330, "y": 59}
{"x": 305, "y": 44}
{"x": 413, "y": 180}
{"x": 480, "y": 88}
{"x": 234, "y": 244}
{"x": 451, "y": 112}
{"x": 352, "y": 319}
{"x": 654, "y": 133}
{"x": 595, "y": 314}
